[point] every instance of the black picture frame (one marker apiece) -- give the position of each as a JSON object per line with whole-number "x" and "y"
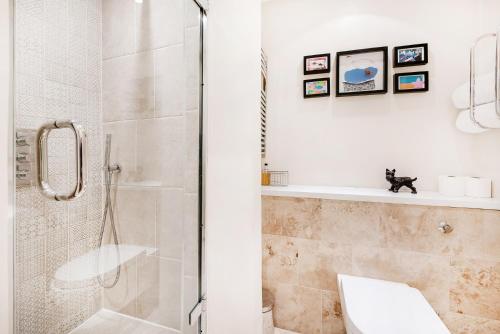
{"x": 306, "y": 96}
{"x": 397, "y": 77}
{"x": 327, "y": 70}
{"x": 424, "y": 61}
{"x": 384, "y": 50}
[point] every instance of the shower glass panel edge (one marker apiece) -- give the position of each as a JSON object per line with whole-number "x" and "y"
{"x": 202, "y": 325}
{"x": 10, "y": 176}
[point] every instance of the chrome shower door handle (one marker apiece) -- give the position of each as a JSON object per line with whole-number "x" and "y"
{"x": 43, "y": 160}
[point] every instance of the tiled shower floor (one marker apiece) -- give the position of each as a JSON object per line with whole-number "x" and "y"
{"x": 105, "y": 322}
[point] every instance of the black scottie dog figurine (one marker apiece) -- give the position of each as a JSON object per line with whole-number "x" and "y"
{"x": 398, "y": 182}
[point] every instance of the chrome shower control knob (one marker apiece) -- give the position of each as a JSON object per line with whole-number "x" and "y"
{"x": 445, "y": 227}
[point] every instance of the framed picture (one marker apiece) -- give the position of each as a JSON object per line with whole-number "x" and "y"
{"x": 411, "y": 55}
{"x": 412, "y": 82}
{"x": 317, "y": 64}
{"x": 316, "y": 88}
{"x": 362, "y": 72}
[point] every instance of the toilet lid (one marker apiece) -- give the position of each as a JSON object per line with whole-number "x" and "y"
{"x": 382, "y": 307}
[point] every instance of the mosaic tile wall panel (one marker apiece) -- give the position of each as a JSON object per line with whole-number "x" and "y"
{"x": 307, "y": 242}
{"x": 58, "y": 76}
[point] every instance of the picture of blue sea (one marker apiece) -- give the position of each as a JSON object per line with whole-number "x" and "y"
{"x": 360, "y": 75}
{"x": 407, "y": 82}
{"x": 362, "y": 72}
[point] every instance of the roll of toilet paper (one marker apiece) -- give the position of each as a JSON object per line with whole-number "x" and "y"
{"x": 478, "y": 187}
{"x": 452, "y": 185}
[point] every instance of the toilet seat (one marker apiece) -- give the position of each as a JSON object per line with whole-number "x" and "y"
{"x": 373, "y": 306}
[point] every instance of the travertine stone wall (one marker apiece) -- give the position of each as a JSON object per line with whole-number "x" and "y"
{"x": 306, "y": 242}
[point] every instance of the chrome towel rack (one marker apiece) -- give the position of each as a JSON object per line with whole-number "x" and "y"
{"x": 43, "y": 160}
{"x": 473, "y": 78}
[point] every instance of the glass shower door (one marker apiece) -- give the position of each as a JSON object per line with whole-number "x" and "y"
{"x": 124, "y": 255}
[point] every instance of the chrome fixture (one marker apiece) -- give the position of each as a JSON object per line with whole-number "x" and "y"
{"x": 472, "y": 101}
{"x": 25, "y": 163}
{"x": 445, "y": 228}
{"x": 43, "y": 160}
{"x": 109, "y": 170}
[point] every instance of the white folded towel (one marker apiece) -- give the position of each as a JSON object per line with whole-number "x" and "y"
{"x": 485, "y": 92}
{"x": 485, "y": 114}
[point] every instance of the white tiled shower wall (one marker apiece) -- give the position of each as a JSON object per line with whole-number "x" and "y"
{"x": 151, "y": 109}
{"x": 57, "y": 76}
{"x": 148, "y": 57}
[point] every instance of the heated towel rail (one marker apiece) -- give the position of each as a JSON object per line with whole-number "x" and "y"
{"x": 473, "y": 78}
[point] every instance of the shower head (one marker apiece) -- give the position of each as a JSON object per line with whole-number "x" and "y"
{"x": 107, "y": 151}
{"x": 107, "y": 154}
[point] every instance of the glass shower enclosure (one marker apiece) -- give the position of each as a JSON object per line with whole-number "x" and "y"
{"x": 108, "y": 166}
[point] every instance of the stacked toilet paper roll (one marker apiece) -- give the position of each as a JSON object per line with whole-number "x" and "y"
{"x": 477, "y": 187}
{"x": 452, "y": 185}
{"x": 459, "y": 186}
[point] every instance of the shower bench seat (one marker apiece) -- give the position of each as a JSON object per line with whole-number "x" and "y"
{"x": 82, "y": 270}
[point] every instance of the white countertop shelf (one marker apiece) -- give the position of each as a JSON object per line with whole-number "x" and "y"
{"x": 426, "y": 198}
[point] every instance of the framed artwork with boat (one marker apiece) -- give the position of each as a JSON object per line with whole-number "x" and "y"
{"x": 362, "y": 72}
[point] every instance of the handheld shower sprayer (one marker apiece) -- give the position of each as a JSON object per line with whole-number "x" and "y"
{"x": 109, "y": 170}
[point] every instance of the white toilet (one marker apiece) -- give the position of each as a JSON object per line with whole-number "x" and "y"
{"x": 373, "y": 306}
{"x": 267, "y": 312}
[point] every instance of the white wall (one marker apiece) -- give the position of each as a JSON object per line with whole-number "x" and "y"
{"x": 5, "y": 212}
{"x": 349, "y": 141}
{"x": 233, "y": 193}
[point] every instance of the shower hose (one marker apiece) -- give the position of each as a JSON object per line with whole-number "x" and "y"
{"x": 108, "y": 210}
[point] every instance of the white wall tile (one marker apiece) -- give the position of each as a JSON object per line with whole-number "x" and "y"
{"x": 118, "y": 28}
{"x": 135, "y": 212}
{"x": 123, "y": 149}
{"x": 191, "y": 298}
{"x": 170, "y": 294}
{"x": 159, "y": 23}
{"x": 192, "y": 154}
{"x": 170, "y": 218}
{"x": 160, "y": 151}
{"x": 192, "y": 51}
{"x": 191, "y": 235}
{"x": 122, "y": 297}
{"x": 170, "y": 81}
{"x": 128, "y": 87}
{"x": 160, "y": 281}
{"x": 191, "y": 14}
